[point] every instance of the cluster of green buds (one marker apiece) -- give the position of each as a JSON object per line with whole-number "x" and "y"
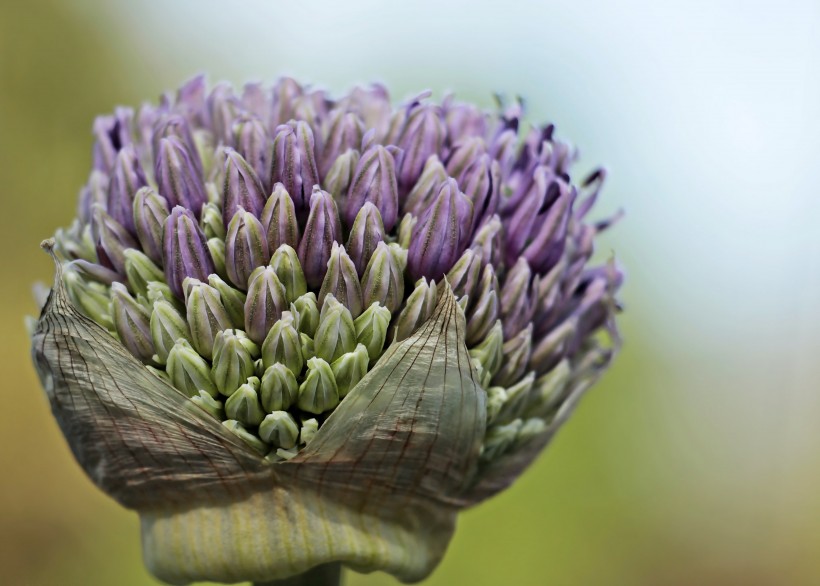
{"x": 277, "y": 292}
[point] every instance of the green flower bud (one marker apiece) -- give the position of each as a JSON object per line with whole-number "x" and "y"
{"x": 167, "y": 326}
{"x": 516, "y": 352}
{"x": 160, "y": 373}
{"x": 247, "y": 343}
{"x": 278, "y": 389}
{"x": 279, "y": 219}
{"x": 279, "y": 429}
{"x": 530, "y": 429}
{"x": 212, "y": 224}
{"x": 496, "y": 397}
{"x": 132, "y": 322}
{"x": 552, "y": 345}
{"x": 465, "y": 274}
{"x": 283, "y": 345}
{"x": 383, "y": 279}
{"x": 418, "y": 308}
{"x": 336, "y": 334}
{"x": 188, "y": 370}
{"x": 484, "y": 308}
{"x": 307, "y": 308}
{"x": 371, "y": 329}
{"x": 156, "y": 291}
{"x": 319, "y": 392}
{"x": 246, "y": 247}
{"x": 285, "y": 263}
{"x": 427, "y": 187}
{"x": 350, "y": 368}
{"x": 217, "y": 249}
{"x": 499, "y": 439}
{"x": 489, "y": 354}
{"x": 518, "y": 396}
{"x": 239, "y": 430}
{"x": 408, "y": 222}
{"x": 243, "y": 406}
{"x": 232, "y": 299}
{"x": 91, "y": 298}
{"x": 549, "y": 390}
{"x": 210, "y": 405}
{"x": 140, "y": 271}
{"x": 265, "y": 303}
{"x": 308, "y": 347}
{"x": 232, "y": 363}
{"x": 342, "y": 281}
{"x": 206, "y": 315}
{"x": 308, "y": 430}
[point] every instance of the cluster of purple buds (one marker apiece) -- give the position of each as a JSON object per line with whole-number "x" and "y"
{"x": 325, "y": 318}
{"x": 262, "y": 249}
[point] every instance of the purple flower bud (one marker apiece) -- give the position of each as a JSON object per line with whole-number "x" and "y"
{"x": 441, "y": 235}
{"x": 365, "y": 235}
{"x": 463, "y": 120}
{"x": 255, "y": 100}
{"x": 150, "y": 211}
{"x": 251, "y": 140}
{"x": 112, "y": 239}
{"x": 286, "y": 92}
{"x": 222, "y": 107}
{"x": 294, "y": 163}
{"x": 480, "y": 182}
{"x": 241, "y": 189}
{"x": 112, "y": 133}
{"x": 94, "y": 192}
{"x": 245, "y": 248}
{"x": 426, "y": 188}
{"x": 126, "y": 179}
{"x": 190, "y": 99}
{"x": 340, "y": 176}
{"x": 185, "y": 250}
{"x": 537, "y": 229}
{"x": 463, "y": 155}
{"x": 375, "y": 181}
{"x": 519, "y": 297}
{"x": 383, "y": 278}
{"x": 93, "y": 272}
{"x": 422, "y": 135}
{"x": 265, "y": 303}
{"x": 132, "y": 322}
{"x": 175, "y": 126}
{"x": 344, "y": 132}
{"x": 178, "y": 179}
{"x": 322, "y": 230}
{"x": 279, "y": 219}
{"x": 342, "y": 281}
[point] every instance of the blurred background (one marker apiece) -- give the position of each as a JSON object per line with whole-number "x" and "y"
{"x": 697, "y": 459}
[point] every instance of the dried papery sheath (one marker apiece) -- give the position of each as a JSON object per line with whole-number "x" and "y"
{"x": 318, "y": 328}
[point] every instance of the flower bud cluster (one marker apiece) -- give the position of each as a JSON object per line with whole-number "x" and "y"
{"x": 263, "y": 254}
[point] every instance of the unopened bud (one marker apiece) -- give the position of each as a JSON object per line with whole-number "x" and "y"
{"x": 418, "y": 309}
{"x": 167, "y": 326}
{"x": 426, "y": 189}
{"x": 243, "y": 406}
{"x": 132, "y": 322}
{"x": 365, "y": 235}
{"x": 212, "y": 224}
{"x": 307, "y": 308}
{"x": 185, "y": 249}
{"x": 239, "y": 430}
{"x": 188, "y": 370}
{"x": 489, "y": 353}
{"x": 279, "y": 219}
{"x": 340, "y": 176}
{"x": 465, "y": 274}
{"x": 113, "y": 240}
{"x": 279, "y": 429}
{"x": 211, "y": 406}
{"x": 294, "y": 162}
{"x": 283, "y": 345}
{"x": 246, "y": 248}
{"x": 286, "y": 263}
{"x": 322, "y": 230}
{"x": 126, "y": 179}
{"x": 350, "y": 368}
{"x": 278, "y": 389}
{"x": 140, "y": 271}
{"x": 319, "y": 392}
{"x": 232, "y": 299}
{"x": 206, "y": 316}
{"x": 179, "y": 180}
{"x": 342, "y": 281}
{"x": 516, "y": 352}
{"x": 265, "y": 303}
{"x": 336, "y": 333}
{"x": 242, "y": 189}
{"x": 383, "y": 279}
{"x": 375, "y": 181}
{"x": 371, "y": 329}
{"x": 484, "y": 309}
{"x": 232, "y": 363}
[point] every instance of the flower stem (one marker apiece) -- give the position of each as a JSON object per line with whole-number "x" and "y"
{"x": 326, "y": 575}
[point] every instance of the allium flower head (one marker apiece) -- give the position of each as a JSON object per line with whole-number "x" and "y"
{"x": 291, "y": 330}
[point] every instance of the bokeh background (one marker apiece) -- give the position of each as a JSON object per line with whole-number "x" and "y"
{"x": 697, "y": 459}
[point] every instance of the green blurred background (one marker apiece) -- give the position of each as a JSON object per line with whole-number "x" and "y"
{"x": 696, "y": 460}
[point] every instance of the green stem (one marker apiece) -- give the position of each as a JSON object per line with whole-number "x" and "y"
{"x": 326, "y": 575}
